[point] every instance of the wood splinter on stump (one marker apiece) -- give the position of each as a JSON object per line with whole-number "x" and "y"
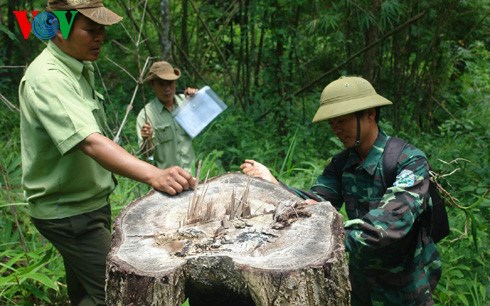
{"x": 247, "y": 242}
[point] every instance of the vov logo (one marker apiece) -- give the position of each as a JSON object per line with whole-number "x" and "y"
{"x": 45, "y": 25}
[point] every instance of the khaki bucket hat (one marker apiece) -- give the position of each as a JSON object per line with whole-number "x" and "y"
{"x": 162, "y": 70}
{"x": 347, "y": 95}
{"x": 92, "y": 9}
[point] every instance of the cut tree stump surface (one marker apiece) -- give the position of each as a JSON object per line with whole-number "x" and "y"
{"x": 236, "y": 236}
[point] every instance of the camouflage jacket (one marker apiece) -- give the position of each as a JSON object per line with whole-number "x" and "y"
{"x": 391, "y": 256}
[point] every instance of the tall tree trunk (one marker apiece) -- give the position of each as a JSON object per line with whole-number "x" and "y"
{"x": 397, "y": 74}
{"x": 165, "y": 35}
{"x": 246, "y": 74}
{"x": 370, "y": 36}
{"x": 259, "y": 52}
{"x": 240, "y": 71}
{"x": 11, "y": 24}
{"x": 243, "y": 69}
{"x": 184, "y": 35}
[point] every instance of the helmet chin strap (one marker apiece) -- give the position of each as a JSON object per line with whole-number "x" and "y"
{"x": 358, "y": 137}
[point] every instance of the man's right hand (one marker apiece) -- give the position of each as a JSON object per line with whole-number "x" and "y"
{"x": 146, "y": 131}
{"x": 172, "y": 180}
{"x": 114, "y": 158}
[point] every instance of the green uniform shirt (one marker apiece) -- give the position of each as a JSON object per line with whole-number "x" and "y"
{"x": 388, "y": 262}
{"x": 173, "y": 146}
{"x": 59, "y": 109}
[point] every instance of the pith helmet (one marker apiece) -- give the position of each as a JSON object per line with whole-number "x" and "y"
{"x": 347, "y": 95}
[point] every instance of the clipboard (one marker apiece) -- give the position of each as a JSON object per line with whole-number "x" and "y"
{"x": 198, "y": 111}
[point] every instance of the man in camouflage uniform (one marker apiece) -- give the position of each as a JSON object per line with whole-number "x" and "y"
{"x": 392, "y": 259}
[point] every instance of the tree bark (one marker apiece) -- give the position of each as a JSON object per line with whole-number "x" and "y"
{"x": 183, "y": 32}
{"x": 236, "y": 240}
{"x": 369, "y": 63}
{"x": 165, "y": 35}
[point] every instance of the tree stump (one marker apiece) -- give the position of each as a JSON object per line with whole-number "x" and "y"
{"x": 235, "y": 240}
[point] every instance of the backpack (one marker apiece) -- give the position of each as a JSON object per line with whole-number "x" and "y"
{"x": 436, "y": 222}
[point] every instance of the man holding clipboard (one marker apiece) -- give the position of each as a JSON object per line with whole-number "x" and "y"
{"x": 159, "y": 135}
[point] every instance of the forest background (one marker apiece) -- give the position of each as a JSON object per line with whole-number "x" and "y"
{"x": 269, "y": 60}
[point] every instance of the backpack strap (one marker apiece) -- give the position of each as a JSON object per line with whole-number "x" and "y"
{"x": 338, "y": 162}
{"x": 392, "y": 151}
{"x": 436, "y": 220}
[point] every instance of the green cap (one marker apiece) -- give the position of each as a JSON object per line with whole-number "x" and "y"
{"x": 347, "y": 95}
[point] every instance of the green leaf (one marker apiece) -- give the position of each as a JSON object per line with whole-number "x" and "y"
{"x": 43, "y": 279}
{"x": 485, "y": 203}
{"x": 481, "y": 190}
{"x": 11, "y": 263}
{"x": 7, "y": 280}
{"x": 5, "y": 30}
{"x": 483, "y": 291}
{"x": 468, "y": 189}
{"x": 463, "y": 299}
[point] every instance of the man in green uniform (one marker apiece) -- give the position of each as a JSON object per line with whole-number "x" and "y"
{"x": 159, "y": 135}
{"x": 393, "y": 260}
{"x": 67, "y": 161}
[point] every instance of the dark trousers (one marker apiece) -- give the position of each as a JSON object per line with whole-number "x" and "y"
{"x": 84, "y": 242}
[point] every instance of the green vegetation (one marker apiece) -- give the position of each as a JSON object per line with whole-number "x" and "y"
{"x": 269, "y": 61}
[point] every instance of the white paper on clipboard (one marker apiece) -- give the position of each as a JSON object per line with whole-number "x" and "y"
{"x": 198, "y": 111}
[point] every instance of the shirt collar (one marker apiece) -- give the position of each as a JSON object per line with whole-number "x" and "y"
{"x": 374, "y": 156}
{"x": 177, "y": 103}
{"x": 74, "y": 65}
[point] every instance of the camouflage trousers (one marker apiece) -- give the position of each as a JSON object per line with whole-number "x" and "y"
{"x": 379, "y": 290}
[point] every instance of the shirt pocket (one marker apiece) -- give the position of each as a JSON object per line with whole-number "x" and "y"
{"x": 164, "y": 133}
